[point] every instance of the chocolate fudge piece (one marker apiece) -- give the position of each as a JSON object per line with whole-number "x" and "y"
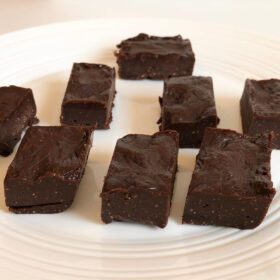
{"x": 140, "y": 180}
{"x": 231, "y": 184}
{"x": 156, "y": 58}
{"x": 188, "y": 106}
{"x": 42, "y": 209}
{"x": 260, "y": 108}
{"x": 47, "y": 169}
{"x": 89, "y": 96}
{"x": 18, "y": 110}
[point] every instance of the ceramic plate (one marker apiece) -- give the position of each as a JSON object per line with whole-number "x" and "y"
{"x": 75, "y": 245}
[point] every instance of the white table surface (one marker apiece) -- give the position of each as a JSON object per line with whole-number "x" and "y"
{"x": 261, "y": 16}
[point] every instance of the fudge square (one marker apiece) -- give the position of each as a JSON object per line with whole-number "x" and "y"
{"x": 260, "y": 108}
{"x": 188, "y": 106}
{"x": 47, "y": 169}
{"x": 18, "y": 111}
{"x": 140, "y": 180}
{"x": 89, "y": 96}
{"x": 231, "y": 183}
{"x": 156, "y": 58}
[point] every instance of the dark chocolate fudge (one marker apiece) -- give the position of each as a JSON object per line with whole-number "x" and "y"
{"x": 231, "y": 184}
{"x": 140, "y": 180}
{"x": 156, "y": 58}
{"x": 188, "y": 106}
{"x": 260, "y": 108}
{"x": 18, "y": 111}
{"x": 89, "y": 96}
{"x": 47, "y": 169}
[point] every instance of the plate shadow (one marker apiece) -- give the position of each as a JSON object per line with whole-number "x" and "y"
{"x": 87, "y": 203}
{"x": 186, "y": 163}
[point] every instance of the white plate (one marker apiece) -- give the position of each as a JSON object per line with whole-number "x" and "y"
{"x": 75, "y": 244}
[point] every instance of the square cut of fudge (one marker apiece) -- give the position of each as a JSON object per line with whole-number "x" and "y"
{"x": 47, "y": 169}
{"x": 89, "y": 96}
{"x": 260, "y": 108}
{"x": 231, "y": 184}
{"x": 17, "y": 111}
{"x": 156, "y": 58}
{"x": 140, "y": 180}
{"x": 188, "y": 106}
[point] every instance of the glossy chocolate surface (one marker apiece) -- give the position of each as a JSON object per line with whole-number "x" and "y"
{"x": 231, "y": 184}
{"x": 188, "y": 106}
{"x": 156, "y": 45}
{"x": 18, "y": 110}
{"x": 47, "y": 168}
{"x": 152, "y": 57}
{"x": 89, "y": 96}
{"x": 139, "y": 183}
{"x": 260, "y": 108}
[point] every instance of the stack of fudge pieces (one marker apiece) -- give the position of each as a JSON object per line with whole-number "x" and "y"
{"x": 140, "y": 181}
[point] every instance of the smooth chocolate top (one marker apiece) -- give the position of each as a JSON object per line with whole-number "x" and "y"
{"x": 264, "y": 96}
{"x": 90, "y": 82}
{"x": 11, "y": 98}
{"x": 51, "y": 151}
{"x": 188, "y": 99}
{"x": 143, "y": 161}
{"x": 233, "y": 164}
{"x": 144, "y": 43}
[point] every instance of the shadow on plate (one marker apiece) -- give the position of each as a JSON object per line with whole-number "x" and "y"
{"x": 228, "y": 111}
{"x": 87, "y": 203}
{"x": 4, "y": 164}
{"x": 143, "y": 112}
{"x": 186, "y": 163}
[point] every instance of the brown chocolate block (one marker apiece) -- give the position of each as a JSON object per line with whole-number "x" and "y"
{"x": 140, "y": 180}
{"x": 18, "y": 111}
{"x": 231, "y": 184}
{"x": 260, "y": 108}
{"x": 42, "y": 209}
{"x": 47, "y": 169}
{"x": 188, "y": 106}
{"x": 156, "y": 58}
{"x": 89, "y": 96}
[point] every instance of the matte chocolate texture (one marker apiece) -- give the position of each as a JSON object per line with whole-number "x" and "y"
{"x": 47, "y": 169}
{"x": 156, "y": 58}
{"x": 260, "y": 108}
{"x": 42, "y": 209}
{"x": 18, "y": 111}
{"x": 89, "y": 96}
{"x": 231, "y": 184}
{"x": 139, "y": 184}
{"x": 188, "y": 106}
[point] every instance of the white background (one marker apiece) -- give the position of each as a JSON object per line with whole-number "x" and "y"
{"x": 261, "y": 16}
